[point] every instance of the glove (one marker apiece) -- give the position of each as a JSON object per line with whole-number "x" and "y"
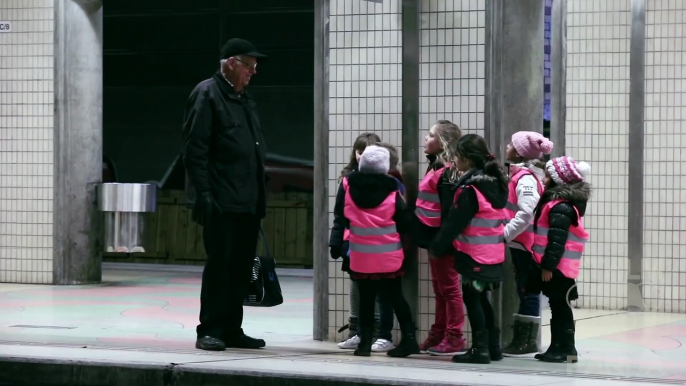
{"x": 202, "y": 209}
{"x": 335, "y": 252}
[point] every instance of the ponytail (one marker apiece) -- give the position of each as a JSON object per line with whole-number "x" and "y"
{"x": 493, "y": 169}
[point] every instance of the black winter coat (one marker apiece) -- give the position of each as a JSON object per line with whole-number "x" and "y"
{"x": 562, "y": 216}
{"x": 456, "y": 215}
{"x": 223, "y": 148}
{"x": 367, "y": 191}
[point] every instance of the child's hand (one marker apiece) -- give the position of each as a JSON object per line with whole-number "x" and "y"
{"x": 547, "y": 275}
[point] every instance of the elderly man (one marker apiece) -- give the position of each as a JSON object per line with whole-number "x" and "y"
{"x": 224, "y": 155}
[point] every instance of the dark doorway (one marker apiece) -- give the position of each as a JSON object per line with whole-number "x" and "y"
{"x": 156, "y": 51}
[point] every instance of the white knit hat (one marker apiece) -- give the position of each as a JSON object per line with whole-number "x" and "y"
{"x": 375, "y": 159}
{"x": 565, "y": 170}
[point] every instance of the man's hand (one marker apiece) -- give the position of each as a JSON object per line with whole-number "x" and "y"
{"x": 202, "y": 210}
{"x": 335, "y": 252}
{"x": 546, "y": 275}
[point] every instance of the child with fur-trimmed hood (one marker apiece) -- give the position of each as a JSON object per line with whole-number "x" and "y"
{"x": 559, "y": 243}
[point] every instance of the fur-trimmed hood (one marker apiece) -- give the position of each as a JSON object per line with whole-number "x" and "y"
{"x": 487, "y": 185}
{"x": 577, "y": 194}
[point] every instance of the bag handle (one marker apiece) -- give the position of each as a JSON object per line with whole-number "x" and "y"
{"x": 264, "y": 242}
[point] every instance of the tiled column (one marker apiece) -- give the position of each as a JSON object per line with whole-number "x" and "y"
{"x": 26, "y": 142}
{"x": 664, "y": 236}
{"x": 77, "y": 141}
{"x": 597, "y": 130}
{"x": 364, "y": 96}
{"x": 452, "y": 86}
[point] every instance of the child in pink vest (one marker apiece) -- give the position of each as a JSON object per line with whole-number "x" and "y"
{"x": 558, "y": 245}
{"x": 525, "y": 189}
{"x": 473, "y": 199}
{"x": 375, "y": 213}
{"x": 445, "y": 337}
{"x": 338, "y": 244}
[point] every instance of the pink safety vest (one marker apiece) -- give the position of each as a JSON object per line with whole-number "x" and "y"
{"x": 428, "y": 207}
{"x": 483, "y": 239}
{"x": 574, "y": 248}
{"x": 375, "y": 245}
{"x": 526, "y": 238}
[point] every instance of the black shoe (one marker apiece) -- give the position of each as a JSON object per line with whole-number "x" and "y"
{"x": 566, "y": 352}
{"x": 479, "y": 353}
{"x": 244, "y": 341}
{"x": 555, "y": 341}
{"x": 364, "y": 348}
{"x": 494, "y": 350}
{"x": 209, "y": 343}
{"x": 408, "y": 343}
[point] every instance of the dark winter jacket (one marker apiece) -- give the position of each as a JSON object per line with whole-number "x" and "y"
{"x": 456, "y": 214}
{"x": 339, "y": 227}
{"x": 562, "y": 216}
{"x": 367, "y": 191}
{"x": 223, "y": 148}
{"x": 422, "y": 234}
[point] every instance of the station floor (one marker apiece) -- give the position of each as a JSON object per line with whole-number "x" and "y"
{"x": 148, "y": 315}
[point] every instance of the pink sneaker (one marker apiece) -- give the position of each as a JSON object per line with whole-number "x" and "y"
{"x": 450, "y": 346}
{"x": 432, "y": 340}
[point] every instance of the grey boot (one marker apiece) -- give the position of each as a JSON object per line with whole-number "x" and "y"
{"x": 525, "y": 335}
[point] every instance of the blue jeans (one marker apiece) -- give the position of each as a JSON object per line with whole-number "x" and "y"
{"x": 529, "y": 304}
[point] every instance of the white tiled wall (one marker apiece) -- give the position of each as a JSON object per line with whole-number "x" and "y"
{"x": 365, "y": 96}
{"x": 26, "y": 132}
{"x": 597, "y": 132}
{"x": 664, "y": 251}
{"x": 452, "y": 83}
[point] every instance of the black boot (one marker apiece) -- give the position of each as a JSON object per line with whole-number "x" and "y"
{"x": 525, "y": 335}
{"x": 408, "y": 343}
{"x": 566, "y": 350}
{"x": 364, "y": 349}
{"x": 494, "y": 344}
{"x": 479, "y": 353}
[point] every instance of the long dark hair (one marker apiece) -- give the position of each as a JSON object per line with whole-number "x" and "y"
{"x": 361, "y": 142}
{"x": 475, "y": 149}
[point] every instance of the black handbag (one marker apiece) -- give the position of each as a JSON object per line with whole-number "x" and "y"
{"x": 264, "y": 289}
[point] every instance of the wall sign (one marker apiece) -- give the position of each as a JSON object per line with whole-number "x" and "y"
{"x": 5, "y": 26}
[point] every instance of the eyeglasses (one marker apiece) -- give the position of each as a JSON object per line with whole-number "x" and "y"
{"x": 251, "y": 66}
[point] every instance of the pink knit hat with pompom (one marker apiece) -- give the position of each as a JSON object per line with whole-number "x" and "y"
{"x": 565, "y": 170}
{"x": 531, "y": 145}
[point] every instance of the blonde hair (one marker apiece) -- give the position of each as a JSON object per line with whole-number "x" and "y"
{"x": 393, "y": 151}
{"x": 448, "y": 134}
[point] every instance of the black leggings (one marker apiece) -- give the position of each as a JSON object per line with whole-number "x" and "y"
{"x": 560, "y": 310}
{"x": 479, "y": 309}
{"x": 390, "y": 289}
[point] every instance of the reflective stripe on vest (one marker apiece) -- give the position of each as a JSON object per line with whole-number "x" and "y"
{"x": 428, "y": 204}
{"x": 483, "y": 238}
{"x": 375, "y": 245}
{"x": 570, "y": 262}
{"x": 526, "y": 238}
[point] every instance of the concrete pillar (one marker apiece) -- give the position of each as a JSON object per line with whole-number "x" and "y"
{"x": 514, "y": 83}
{"x": 410, "y": 137}
{"x": 77, "y": 224}
{"x": 558, "y": 81}
{"x": 321, "y": 171}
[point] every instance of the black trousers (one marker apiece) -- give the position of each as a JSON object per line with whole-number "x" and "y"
{"x": 388, "y": 289}
{"x": 230, "y": 242}
{"x": 479, "y": 309}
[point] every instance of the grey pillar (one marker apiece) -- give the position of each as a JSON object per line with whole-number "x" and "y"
{"x": 636, "y": 144}
{"x": 514, "y": 49}
{"x": 77, "y": 230}
{"x": 321, "y": 170}
{"x": 410, "y": 135}
{"x": 558, "y": 81}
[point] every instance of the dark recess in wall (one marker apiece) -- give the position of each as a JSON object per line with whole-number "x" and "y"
{"x": 156, "y": 51}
